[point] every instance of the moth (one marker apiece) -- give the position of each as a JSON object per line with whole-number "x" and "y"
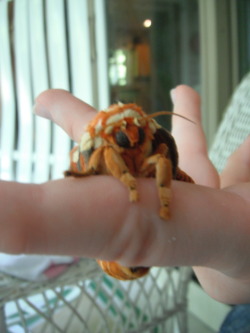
{"x": 125, "y": 142}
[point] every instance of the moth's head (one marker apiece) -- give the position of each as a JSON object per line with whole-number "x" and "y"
{"x": 125, "y": 125}
{"x": 130, "y": 136}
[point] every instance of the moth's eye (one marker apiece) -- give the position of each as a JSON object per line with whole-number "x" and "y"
{"x": 122, "y": 140}
{"x": 141, "y": 135}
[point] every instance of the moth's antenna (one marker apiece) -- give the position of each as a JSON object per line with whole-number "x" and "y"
{"x": 168, "y": 113}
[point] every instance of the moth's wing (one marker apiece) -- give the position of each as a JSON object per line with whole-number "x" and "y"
{"x": 163, "y": 136}
{"x": 78, "y": 162}
{"x": 183, "y": 176}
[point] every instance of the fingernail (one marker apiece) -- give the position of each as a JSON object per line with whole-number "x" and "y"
{"x": 172, "y": 95}
{"x": 41, "y": 111}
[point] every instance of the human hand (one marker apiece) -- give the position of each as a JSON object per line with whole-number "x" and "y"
{"x": 80, "y": 217}
{"x": 226, "y": 279}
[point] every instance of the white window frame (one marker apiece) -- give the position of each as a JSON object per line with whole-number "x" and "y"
{"x": 219, "y": 59}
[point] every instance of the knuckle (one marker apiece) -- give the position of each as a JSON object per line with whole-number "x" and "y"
{"x": 136, "y": 237}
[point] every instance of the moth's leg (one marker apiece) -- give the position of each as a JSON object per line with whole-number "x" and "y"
{"x": 117, "y": 168}
{"x": 163, "y": 175}
{"x": 163, "y": 181}
{"x": 95, "y": 161}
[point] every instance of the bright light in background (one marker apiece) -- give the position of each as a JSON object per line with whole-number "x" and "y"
{"x": 118, "y": 68}
{"x": 147, "y": 23}
{"x": 121, "y": 58}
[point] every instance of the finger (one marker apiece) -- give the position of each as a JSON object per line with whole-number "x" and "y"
{"x": 237, "y": 169}
{"x": 74, "y": 217}
{"x": 65, "y": 110}
{"x": 187, "y": 103}
{"x": 222, "y": 287}
{"x": 190, "y": 138}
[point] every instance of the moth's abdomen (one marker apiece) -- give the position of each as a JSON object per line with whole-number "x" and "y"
{"x": 121, "y": 272}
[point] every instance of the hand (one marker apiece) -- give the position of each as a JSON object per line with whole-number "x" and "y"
{"x": 208, "y": 228}
{"x": 225, "y": 282}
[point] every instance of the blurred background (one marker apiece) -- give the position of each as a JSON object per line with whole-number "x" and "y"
{"x": 134, "y": 50}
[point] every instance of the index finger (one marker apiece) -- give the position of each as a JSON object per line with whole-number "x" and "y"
{"x": 67, "y": 111}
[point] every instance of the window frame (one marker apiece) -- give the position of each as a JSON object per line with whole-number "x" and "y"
{"x": 219, "y": 59}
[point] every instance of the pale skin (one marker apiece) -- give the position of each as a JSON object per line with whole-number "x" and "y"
{"x": 209, "y": 227}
